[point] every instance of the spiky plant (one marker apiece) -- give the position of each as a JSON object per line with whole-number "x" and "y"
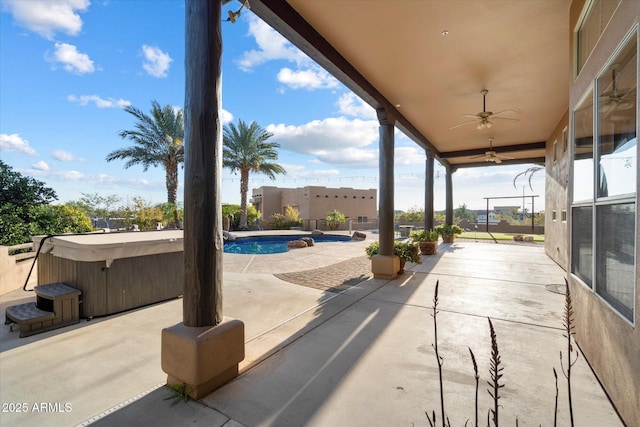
{"x": 477, "y": 377}
{"x": 495, "y": 373}
{"x": 567, "y": 323}
{"x": 435, "y": 347}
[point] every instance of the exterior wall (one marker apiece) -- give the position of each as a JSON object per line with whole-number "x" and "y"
{"x": 610, "y": 343}
{"x": 15, "y": 268}
{"x": 313, "y": 202}
{"x": 556, "y": 239}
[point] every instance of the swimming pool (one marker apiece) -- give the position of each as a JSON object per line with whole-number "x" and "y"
{"x": 273, "y": 244}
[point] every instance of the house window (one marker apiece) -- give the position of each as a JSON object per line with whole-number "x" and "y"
{"x": 596, "y": 18}
{"x": 554, "y": 215}
{"x": 583, "y": 150}
{"x": 563, "y": 216}
{"x": 363, "y": 219}
{"x": 555, "y": 151}
{"x": 603, "y": 226}
{"x": 565, "y": 140}
{"x": 582, "y": 243}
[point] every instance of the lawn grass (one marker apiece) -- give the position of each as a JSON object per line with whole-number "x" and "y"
{"x": 483, "y": 235}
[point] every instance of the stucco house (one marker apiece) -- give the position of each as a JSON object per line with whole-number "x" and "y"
{"x": 314, "y": 202}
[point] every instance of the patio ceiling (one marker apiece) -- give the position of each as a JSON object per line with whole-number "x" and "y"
{"x": 395, "y": 54}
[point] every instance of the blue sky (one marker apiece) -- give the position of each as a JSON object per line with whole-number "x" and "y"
{"x": 68, "y": 67}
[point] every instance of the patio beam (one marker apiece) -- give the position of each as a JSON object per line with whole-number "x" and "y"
{"x": 532, "y": 160}
{"x": 449, "y": 195}
{"x": 500, "y": 150}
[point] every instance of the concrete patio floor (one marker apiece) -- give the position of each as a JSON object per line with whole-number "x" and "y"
{"x": 362, "y": 357}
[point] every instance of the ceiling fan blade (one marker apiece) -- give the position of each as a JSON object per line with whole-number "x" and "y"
{"x": 477, "y": 157}
{"x": 505, "y": 157}
{"x": 504, "y": 111}
{"x": 497, "y": 160}
{"x": 462, "y": 124}
{"x": 505, "y": 118}
{"x": 475, "y": 116}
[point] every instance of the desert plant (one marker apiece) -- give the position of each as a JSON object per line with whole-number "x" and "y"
{"x": 495, "y": 371}
{"x": 439, "y": 359}
{"x": 334, "y": 219}
{"x": 290, "y": 218}
{"x": 567, "y": 323}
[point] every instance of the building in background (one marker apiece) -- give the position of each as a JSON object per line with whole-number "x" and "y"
{"x": 313, "y": 203}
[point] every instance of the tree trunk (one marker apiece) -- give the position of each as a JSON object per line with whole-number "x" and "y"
{"x": 244, "y": 189}
{"x": 203, "y": 246}
{"x": 172, "y": 183}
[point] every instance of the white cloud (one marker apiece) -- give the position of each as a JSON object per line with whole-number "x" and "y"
{"x": 351, "y": 105}
{"x": 72, "y": 60}
{"x": 14, "y": 142}
{"x": 46, "y": 17}
{"x": 338, "y": 141}
{"x": 99, "y": 102}
{"x": 41, "y": 166}
{"x": 65, "y": 156}
{"x": 307, "y": 79}
{"x": 225, "y": 116}
{"x": 156, "y": 61}
{"x": 327, "y": 134}
{"x": 271, "y": 46}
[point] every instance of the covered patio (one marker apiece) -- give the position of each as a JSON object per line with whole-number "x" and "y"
{"x": 356, "y": 358}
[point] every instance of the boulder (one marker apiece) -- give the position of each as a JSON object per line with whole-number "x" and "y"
{"x": 308, "y": 240}
{"x": 528, "y": 238}
{"x": 297, "y": 244}
{"x": 518, "y": 238}
{"x": 228, "y": 237}
{"x": 317, "y": 232}
{"x": 357, "y": 235}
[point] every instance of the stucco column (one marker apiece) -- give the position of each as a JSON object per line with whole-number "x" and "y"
{"x": 386, "y": 264}
{"x": 449, "y": 190}
{"x": 428, "y": 191}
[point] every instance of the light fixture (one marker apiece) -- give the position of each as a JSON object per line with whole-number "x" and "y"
{"x": 445, "y": 33}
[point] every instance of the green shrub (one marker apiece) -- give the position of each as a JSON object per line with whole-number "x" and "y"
{"x": 334, "y": 219}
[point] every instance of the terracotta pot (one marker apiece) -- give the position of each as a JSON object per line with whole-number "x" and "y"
{"x": 448, "y": 239}
{"x": 428, "y": 248}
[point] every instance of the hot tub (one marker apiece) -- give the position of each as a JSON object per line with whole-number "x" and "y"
{"x": 115, "y": 271}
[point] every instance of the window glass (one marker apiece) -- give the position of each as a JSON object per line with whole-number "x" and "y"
{"x": 583, "y": 150}
{"x": 593, "y": 24}
{"x": 615, "y": 252}
{"x": 582, "y": 243}
{"x": 617, "y": 119}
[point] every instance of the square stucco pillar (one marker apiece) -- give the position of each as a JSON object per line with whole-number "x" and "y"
{"x": 385, "y": 266}
{"x": 202, "y": 358}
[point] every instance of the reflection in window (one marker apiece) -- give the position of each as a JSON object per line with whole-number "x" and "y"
{"x": 582, "y": 243}
{"x": 615, "y": 255}
{"x": 592, "y": 26}
{"x": 583, "y": 150}
{"x": 617, "y": 139}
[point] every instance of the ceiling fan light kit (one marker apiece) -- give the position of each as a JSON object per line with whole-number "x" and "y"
{"x": 484, "y": 118}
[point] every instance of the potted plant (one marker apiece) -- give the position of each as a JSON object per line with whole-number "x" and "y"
{"x": 334, "y": 219}
{"x": 406, "y": 251}
{"x": 427, "y": 241}
{"x": 448, "y": 232}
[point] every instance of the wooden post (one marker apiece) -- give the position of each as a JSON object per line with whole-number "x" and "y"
{"x": 449, "y": 195}
{"x": 428, "y": 191}
{"x": 385, "y": 203}
{"x": 203, "y": 245}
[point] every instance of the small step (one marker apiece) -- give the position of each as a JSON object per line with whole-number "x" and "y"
{"x": 28, "y": 312}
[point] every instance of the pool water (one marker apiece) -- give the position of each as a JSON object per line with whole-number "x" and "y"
{"x": 273, "y": 244}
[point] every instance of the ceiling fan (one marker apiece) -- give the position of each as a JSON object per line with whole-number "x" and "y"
{"x": 492, "y": 156}
{"x": 616, "y": 99}
{"x": 485, "y": 118}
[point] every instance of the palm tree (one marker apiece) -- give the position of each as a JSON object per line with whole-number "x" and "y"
{"x": 158, "y": 140}
{"x": 246, "y": 150}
